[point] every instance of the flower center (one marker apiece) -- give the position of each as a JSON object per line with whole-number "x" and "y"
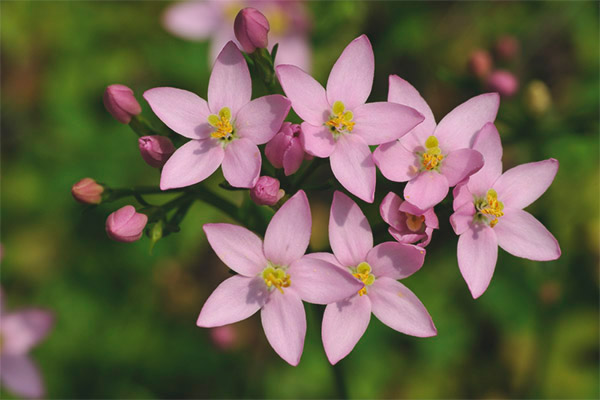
{"x": 276, "y": 277}
{"x": 432, "y": 157}
{"x": 222, "y": 123}
{"x": 414, "y": 222}
{"x": 489, "y": 209}
{"x": 340, "y": 121}
{"x": 363, "y": 274}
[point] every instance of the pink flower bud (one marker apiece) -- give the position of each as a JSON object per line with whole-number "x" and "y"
{"x": 266, "y": 192}
{"x": 503, "y": 82}
{"x": 480, "y": 63}
{"x": 507, "y": 47}
{"x": 121, "y": 103}
{"x": 126, "y": 225}
{"x": 156, "y": 149}
{"x": 251, "y": 29}
{"x": 87, "y": 191}
{"x": 285, "y": 149}
{"x": 224, "y": 337}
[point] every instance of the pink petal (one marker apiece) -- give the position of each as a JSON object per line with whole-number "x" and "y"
{"x": 229, "y": 84}
{"x": 344, "y": 323}
{"x": 191, "y": 163}
{"x": 395, "y": 260}
{"x": 397, "y": 307}
{"x": 319, "y": 282}
{"x": 293, "y": 157}
{"x": 241, "y": 165}
{"x": 22, "y": 330}
{"x": 408, "y": 238}
{"x": 522, "y": 185}
{"x": 317, "y": 140}
{"x": 349, "y": 231}
{"x": 426, "y": 190}
{"x": 261, "y": 119}
{"x": 430, "y": 218}
{"x": 520, "y": 234}
{"x": 240, "y": 249}
{"x": 288, "y": 233}
{"x": 182, "y": 111}
{"x": 457, "y": 129}
{"x": 20, "y": 375}
{"x": 487, "y": 142}
{"x": 327, "y": 257}
{"x": 477, "y": 253}
{"x": 461, "y": 195}
{"x": 284, "y": 322}
{"x": 351, "y": 78}
{"x": 384, "y": 122}
{"x": 462, "y": 218}
{"x": 192, "y": 20}
{"x": 353, "y": 166}
{"x": 395, "y": 162}
{"x": 307, "y": 95}
{"x": 219, "y": 40}
{"x": 389, "y": 209}
{"x": 460, "y": 164}
{"x": 235, "y": 299}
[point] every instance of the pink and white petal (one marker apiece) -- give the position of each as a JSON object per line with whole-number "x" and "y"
{"x": 477, "y": 253}
{"x": 320, "y": 282}
{"x": 522, "y": 185}
{"x": 344, "y": 323}
{"x": 20, "y": 375}
{"x": 327, "y": 257}
{"x": 460, "y": 164}
{"x": 230, "y": 84}
{"x": 288, "y": 233}
{"x": 351, "y": 78}
{"x": 402, "y": 92}
{"x": 429, "y": 234}
{"x": 192, "y": 20}
{"x": 235, "y": 299}
{"x": 22, "y": 330}
{"x": 241, "y": 164}
{"x": 488, "y": 143}
{"x": 240, "y": 249}
{"x": 284, "y": 322}
{"x": 384, "y": 122}
{"x": 317, "y": 140}
{"x": 293, "y": 157}
{"x": 409, "y": 208}
{"x": 395, "y": 162}
{"x": 261, "y": 119}
{"x": 308, "y": 97}
{"x": 522, "y": 235}
{"x": 431, "y": 219}
{"x": 352, "y": 165}
{"x": 295, "y": 50}
{"x": 182, "y": 111}
{"x": 461, "y": 195}
{"x": 395, "y": 260}
{"x": 389, "y": 209}
{"x": 458, "y": 129}
{"x": 406, "y": 238}
{"x": 397, "y": 307}
{"x": 191, "y": 163}
{"x": 219, "y": 40}
{"x": 462, "y": 218}
{"x": 426, "y": 190}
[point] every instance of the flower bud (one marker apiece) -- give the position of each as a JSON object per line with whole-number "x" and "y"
{"x": 224, "y": 337}
{"x": 503, "y": 82}
{"x": 266, "y": 192}
{"x": 537, "y": 97}
{"x": 507, "y": 47}
{"x": 480, "y": 63}
{"x": 87, "y": 191}
{"x": 126, "y": 225}
{"x": 156, "y": 149}
{"x": 251, "y": 29}
{"x": 121, "y": 103}
{"x": 285, "y": 149}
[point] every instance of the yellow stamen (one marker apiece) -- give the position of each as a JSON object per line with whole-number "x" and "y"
{"x": 492, "y": 207}
{"x": 414, "y": 222}
{"x": 363, "y": 274}
{"x": 340, "y": 120}
{"x": 275, "y": 276}
{"x": 222, "y": 123}
{"x": 431, "y": 158}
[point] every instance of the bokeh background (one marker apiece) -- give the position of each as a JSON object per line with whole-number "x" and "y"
{"x": 125, "y": 318}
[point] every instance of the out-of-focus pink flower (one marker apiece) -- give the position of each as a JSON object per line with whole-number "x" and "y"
{"x": 214, "y": 20}
{"x": 156, "y": 149}
{"x": 126, "y": 225}
{"x": 488, "y": 212}
{"x": 408, "y": 223}
{"x": 285, "y": 149}
{"x": 337, "y": 122}
{"x": 274, "y": 277}
{"x": 87, "y": 191}
{"x": 480, "y": 63}
{"x": 503, "y": 82}
{"x": 225, "y": 130}
{"x": 224, "y": 337}
{"x": 266, "y": 192}
{"x": 121, "y": 103}
{"x": 507, "y": 47}
{"x": 251, "y": 29}
{"x": 377, "y": 269}
{"x": 19, "y": 332}
{"x": 432, "y": 158}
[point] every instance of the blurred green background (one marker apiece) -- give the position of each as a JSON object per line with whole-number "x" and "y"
{"x": 125, "y": 319}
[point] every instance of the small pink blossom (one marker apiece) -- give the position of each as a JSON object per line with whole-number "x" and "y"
{"x": 87, "y": 191}
{"x": 121, "y": 103}
{"x": 156, "y": 149}
{"x": 503, "y": 82}
{"x": 126, "y": 225}
{"x": 408, "y": 224}
{"x": 480, "y": 63}
{"x": 251, "y": 29}
{"x": 266, "y": 192}
{"x": 224, "y": 337}
{"x": 285, "y": 150}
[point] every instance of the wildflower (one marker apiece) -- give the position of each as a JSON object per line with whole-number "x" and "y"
{"x": 251, "y": 29}
{"x": 266, "y": 192}
{"x": 285, "y": 149}
{"x": 408, "y": 224}
{"x": 121, "y": 103}
{"x": 434, "y": 158}
{"x": 87, "y": 191}
{"x": 337, "y": 122}
{"x": 480, "y": 63}
{"x": 126, "y": 225}
{"x": 503, "y": 82}
{"x": 155, "y": 149}
{"x": 274, "y": 277}
{"x": 226, "y": 129}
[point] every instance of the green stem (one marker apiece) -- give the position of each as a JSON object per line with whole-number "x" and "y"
{"x": 314, "y": 165}
{"x": 218, "y": 202}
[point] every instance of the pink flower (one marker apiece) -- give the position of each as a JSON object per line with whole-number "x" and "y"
{"x": 377, "y": 269}
{"x": 121, "y": 103}
{"x": 266, "y": 192}
{"x": 274, "y": 277}
{"x": 408, "y": 224}
{"x": 480, "y": 63}
{"x": 503, "y": 82}
{"x": 285, "y": 149}
{"x": 251, "y": 29}
{"x": 155, "y": 149}
{"x": 87, "y": 191}
{"x": 337, "y": 122}
{"x": 226, "y": 129}
{"x": 126, "y": 225}
{"x": 433, "y": 158}
{"x": 19, "y": 332}
{"x": 488, "y": 212}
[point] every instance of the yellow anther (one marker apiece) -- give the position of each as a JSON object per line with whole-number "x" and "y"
{"x": 414, "y": 222}
{"x": 492, "y": 207}
{"x": 363, "y": 274}
{"x": 432, "y": 157}
{"x": 222, "y": 123}
{"x": 338, "y": 107}
{"x": 340, "y": 120}
{"x": 431, "y": 142}
{"x": 276, "y": 277}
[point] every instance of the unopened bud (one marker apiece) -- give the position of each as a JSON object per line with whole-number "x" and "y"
{"x": 121, "y": 103}
{"x": 537, "y": 97}
{"x": 224, "y": 337}
{"x": 87, "y": 191}
{"x": 285, "y": 149}
{"x": 480, "y": 63}
{"x": 126, "y": 225}
{"x": 266, "y": 192}
{"x": 251, "y": 29}
{"x": 507, "y": 47}
{"x": 156, "y": 149}
{"x": 503, "y": 82}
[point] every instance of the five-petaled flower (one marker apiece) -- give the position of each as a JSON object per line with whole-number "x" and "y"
{"x": 408, "y": 223}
